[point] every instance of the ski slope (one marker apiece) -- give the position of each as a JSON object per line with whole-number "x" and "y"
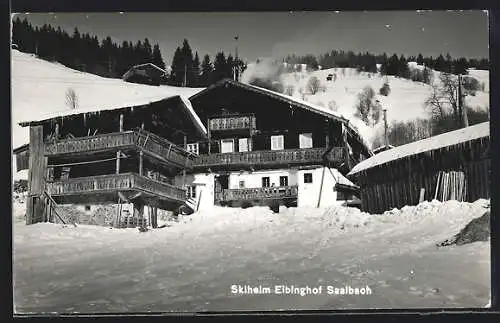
{"x": 191, "y": 265}
{"x": 405, "y": 102}
{"x": 39, "y": 88}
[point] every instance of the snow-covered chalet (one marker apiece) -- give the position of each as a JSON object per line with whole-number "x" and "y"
{"x": 266, "y": 148}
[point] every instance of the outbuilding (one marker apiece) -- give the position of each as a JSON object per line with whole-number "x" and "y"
{"x": 450, "y": 166}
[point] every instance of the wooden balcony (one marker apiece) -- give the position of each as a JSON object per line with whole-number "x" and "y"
{"x": 105, "y": 188}
{"x": 267, "y": 158}
{"x": 232, "y": 123}
{"x": 261, "y": 193}
{"x": 150, "y": 143}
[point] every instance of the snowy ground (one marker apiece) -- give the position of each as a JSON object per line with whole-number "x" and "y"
{"x": 191, "y": 265}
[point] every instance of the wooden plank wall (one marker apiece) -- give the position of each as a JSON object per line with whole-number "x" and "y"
{"x": 398, "y": 184}
{"x": 35, "y": 206}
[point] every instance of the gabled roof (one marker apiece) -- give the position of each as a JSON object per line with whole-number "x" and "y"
{"x": 290, "y": 100}
{"x": 149, "y": 65}
{"x": 451, "y": 138}
{"x": 137, "y": 103}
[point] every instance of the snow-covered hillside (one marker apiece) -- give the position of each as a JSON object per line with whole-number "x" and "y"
{"x": 191, "y": 265}
{"x": 39, "y": 88}
{"x": 405, "y": 102}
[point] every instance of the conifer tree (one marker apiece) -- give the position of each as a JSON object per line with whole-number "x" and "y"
{"x": 157, "y": 59}
{"x": 206, "y": 71}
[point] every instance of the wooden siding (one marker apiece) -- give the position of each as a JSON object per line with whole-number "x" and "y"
{"x": 115, "y": 182}
{"x": 260, "y": 193}
{"x": 148, "y": 142}
{"x": 270, "y": 157}
{"x": 398, "y": 183}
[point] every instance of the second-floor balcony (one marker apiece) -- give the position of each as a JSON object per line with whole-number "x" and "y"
{"x": 148, "y": 142}
{"x": 260, "y": 193}
{"x": 269, "y": 158}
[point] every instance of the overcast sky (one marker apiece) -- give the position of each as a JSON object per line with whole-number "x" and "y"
{"x": 277, "y": 34}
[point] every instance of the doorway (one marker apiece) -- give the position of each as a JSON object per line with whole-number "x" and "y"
{"x": 221, "y": 184}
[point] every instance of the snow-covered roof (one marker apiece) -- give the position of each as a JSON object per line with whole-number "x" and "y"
{"x": 292, "y": 100}
{"x": 432, "y": 143}
{"x": 39, "y": 92}
{"x": 149, "y": 64}
{"x": 137, "y": 102}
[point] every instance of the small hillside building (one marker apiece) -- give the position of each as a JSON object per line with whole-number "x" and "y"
{"x": 145, "y": 74}
{"x": 266, "y": 148}
{"x": 450, "y": 166}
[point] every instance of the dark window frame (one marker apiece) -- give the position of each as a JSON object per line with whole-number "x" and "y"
{"x": 283, "y": 179}
{"x": 308, "y": 178}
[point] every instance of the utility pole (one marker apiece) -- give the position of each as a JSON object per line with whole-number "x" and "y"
{"x": 386, "y": 140}
{"x": 236, "y": 67}
{"x": 185, "y": 74}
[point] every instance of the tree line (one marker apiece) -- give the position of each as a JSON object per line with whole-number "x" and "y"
{"x": 187, "y": 70}
{"x": 389, "y": 65}
{"x": 84, "y": 52}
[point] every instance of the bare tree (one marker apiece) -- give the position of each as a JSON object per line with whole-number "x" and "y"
{"x": 444, "y": 96}
{"x": 368, "y": 108}
{"x": 71, "y": 99}
{"x": 313, "y": 85}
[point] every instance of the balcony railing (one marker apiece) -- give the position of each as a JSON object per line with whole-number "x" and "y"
{"x": 139, "y": 139}
{"x": 115, "y": 182}
{"x": 271, "y": 157}
{"x": 232, "y": 123}
{"x": 258, "y": 193}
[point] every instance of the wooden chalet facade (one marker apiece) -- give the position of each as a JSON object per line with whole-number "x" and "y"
{"x": 451, "y": 166}
{"x": 145, "y": 74}
{"x": 110, "y": 155}
{"x": 264, "y": 147}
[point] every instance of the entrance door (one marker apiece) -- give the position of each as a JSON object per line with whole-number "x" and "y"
{"x": 221, "y": 184}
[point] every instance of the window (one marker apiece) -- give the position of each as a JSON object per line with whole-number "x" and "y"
{"x": 305, "y": 140}
{"x": 244, "y": 145}
{"x": 308, "y": 177}
{"x": 191, "y": 192}
{"x": 227, "y": 146}
{"x": 193, "y": 148}
{"x": 283, "y": 180}
{"x": 277, "y": 142}
{"x": 87, "y": 207}
{"x": 344, "y": 196}
{"x": 266, "y": 182}
{"x": 242, "y": 184}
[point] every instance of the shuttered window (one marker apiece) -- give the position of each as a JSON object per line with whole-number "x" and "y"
{"x": 305, "y": 140}
{"x": 277, "y": 142}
